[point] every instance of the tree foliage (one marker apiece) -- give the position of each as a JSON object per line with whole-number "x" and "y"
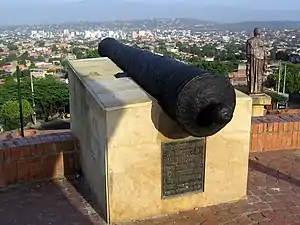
{"x": 64, "y": 50}
{"x": 283, "y": 56}
{"x": 273, "y": 52}
{"x": 92, "y": 53}
{"x": 230, "y": 52}
{"x": 12, "y": 47}
{"x": 10, "y": 114}
{"x": 79, "y": 52}
{"x": 24, "y": 73}
{"x": 51, "y": 60}
{"x": 32, "y": 65}
{"x": 40, "y": 43}
{"x": 41, "y": 58}
{"x": 11, "y": 110}
{"x": 218, "y": 67}
{"x": 50, "y": 93}
{"x": 11, "y": 57}
{"x": 24, "y": 56}
{"x": 54, "y": 48}
{"x": 292, "y": 79}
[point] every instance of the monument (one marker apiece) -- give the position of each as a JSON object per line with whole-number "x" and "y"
{"x": 157, "y": 136}
{"x": 255, "y": 70}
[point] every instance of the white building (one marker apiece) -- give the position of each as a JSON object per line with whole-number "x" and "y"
{"x": 38, "y": 73}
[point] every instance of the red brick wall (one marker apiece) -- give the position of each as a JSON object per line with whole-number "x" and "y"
{"x": 271, "y": 133}
{"x": 56, "y": 155}
{"x": 38, "y": 158}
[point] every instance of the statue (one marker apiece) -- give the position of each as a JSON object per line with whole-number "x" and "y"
{"x": 200, "y": 101}
{"x": 256, "y": 62}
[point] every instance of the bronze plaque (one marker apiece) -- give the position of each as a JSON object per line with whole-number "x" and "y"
{"x": 183, "y": 164}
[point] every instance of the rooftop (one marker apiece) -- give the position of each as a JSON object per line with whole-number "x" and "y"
{"x": 273, "y": 198}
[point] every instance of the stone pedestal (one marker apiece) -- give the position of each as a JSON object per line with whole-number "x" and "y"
{"x": 258, "y": 103}
{"x": 125, "y": 140}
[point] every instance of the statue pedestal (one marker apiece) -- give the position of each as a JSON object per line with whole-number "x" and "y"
{"x": 130, "y": 149}
{"x": 258, "y": 103}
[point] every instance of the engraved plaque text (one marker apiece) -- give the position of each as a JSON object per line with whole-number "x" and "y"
{"x": 183, "y": 164}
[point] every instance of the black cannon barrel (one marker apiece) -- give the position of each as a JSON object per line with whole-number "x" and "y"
{"x": 201, "y": 102}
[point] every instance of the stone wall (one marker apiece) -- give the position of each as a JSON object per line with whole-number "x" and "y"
{"x": 38, "y": 158}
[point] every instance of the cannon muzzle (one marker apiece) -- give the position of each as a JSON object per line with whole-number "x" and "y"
{"x": 200, "y": 101}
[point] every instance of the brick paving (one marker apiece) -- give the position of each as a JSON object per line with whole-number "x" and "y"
{"x": 48, "y": 203}
{"x": 273, "y": 198}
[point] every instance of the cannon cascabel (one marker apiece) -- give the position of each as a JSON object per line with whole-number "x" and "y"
{"x": 200, "y": 101}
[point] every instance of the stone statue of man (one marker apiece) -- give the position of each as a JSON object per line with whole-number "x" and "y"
{"x": 256, "y": 62}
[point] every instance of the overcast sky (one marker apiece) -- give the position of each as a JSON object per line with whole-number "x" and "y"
{"x": 254, "y": 4}
{"x": 47, "y": 11}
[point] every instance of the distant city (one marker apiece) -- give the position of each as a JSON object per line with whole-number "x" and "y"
{"x": 41, "y": 43}
{"x": 43, "y": 51}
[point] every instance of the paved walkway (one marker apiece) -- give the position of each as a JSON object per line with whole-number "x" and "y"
{"x": 273, "y": 198}
{"x": 49, "y": 203}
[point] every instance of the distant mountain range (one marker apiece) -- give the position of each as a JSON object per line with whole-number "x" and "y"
{"x": 194, "y": 24}
{"x": 250, "y": 25}
{"x": 180, "y": 23}
{"x": 58, "y": 11}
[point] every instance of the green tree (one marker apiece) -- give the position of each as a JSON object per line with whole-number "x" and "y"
{"x": 64, "y": 50}
{"x": 24, "y": 73}
{"x": 283, "y": 56}
{"x": 231, "y": 51}
{"x": 54, "y": 48}
{"x": 79, "y": 53}
{"x": 11, "y": 109}
{"x": 92, "y": 53}
{"x": 209, "y": 51}
{"x": 9, "y": 79}
{"x": 12, "y": 47}
{"x": 50, "y": 93}
{"x": 2, "y": 62}
{"x": 41, "y": 58}
{"x": 215, "y": 66}
{"x": 32, "y": 65}
{"x": 64, "y": 64}
{"x": 40, "y": 43}
{"x": 51, "y": 60}
{"x": 273, "y": 53}
{"x": 11, "y": 57}
{"x": 180, "y": 44}
{"x": 24, "y": 56}
{"x": 292, "y": 79}
{"x": 22, "y": 62}
{"x": 10, "y": 113}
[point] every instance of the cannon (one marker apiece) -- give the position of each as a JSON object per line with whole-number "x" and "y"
{"x": 200, "y": 101}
